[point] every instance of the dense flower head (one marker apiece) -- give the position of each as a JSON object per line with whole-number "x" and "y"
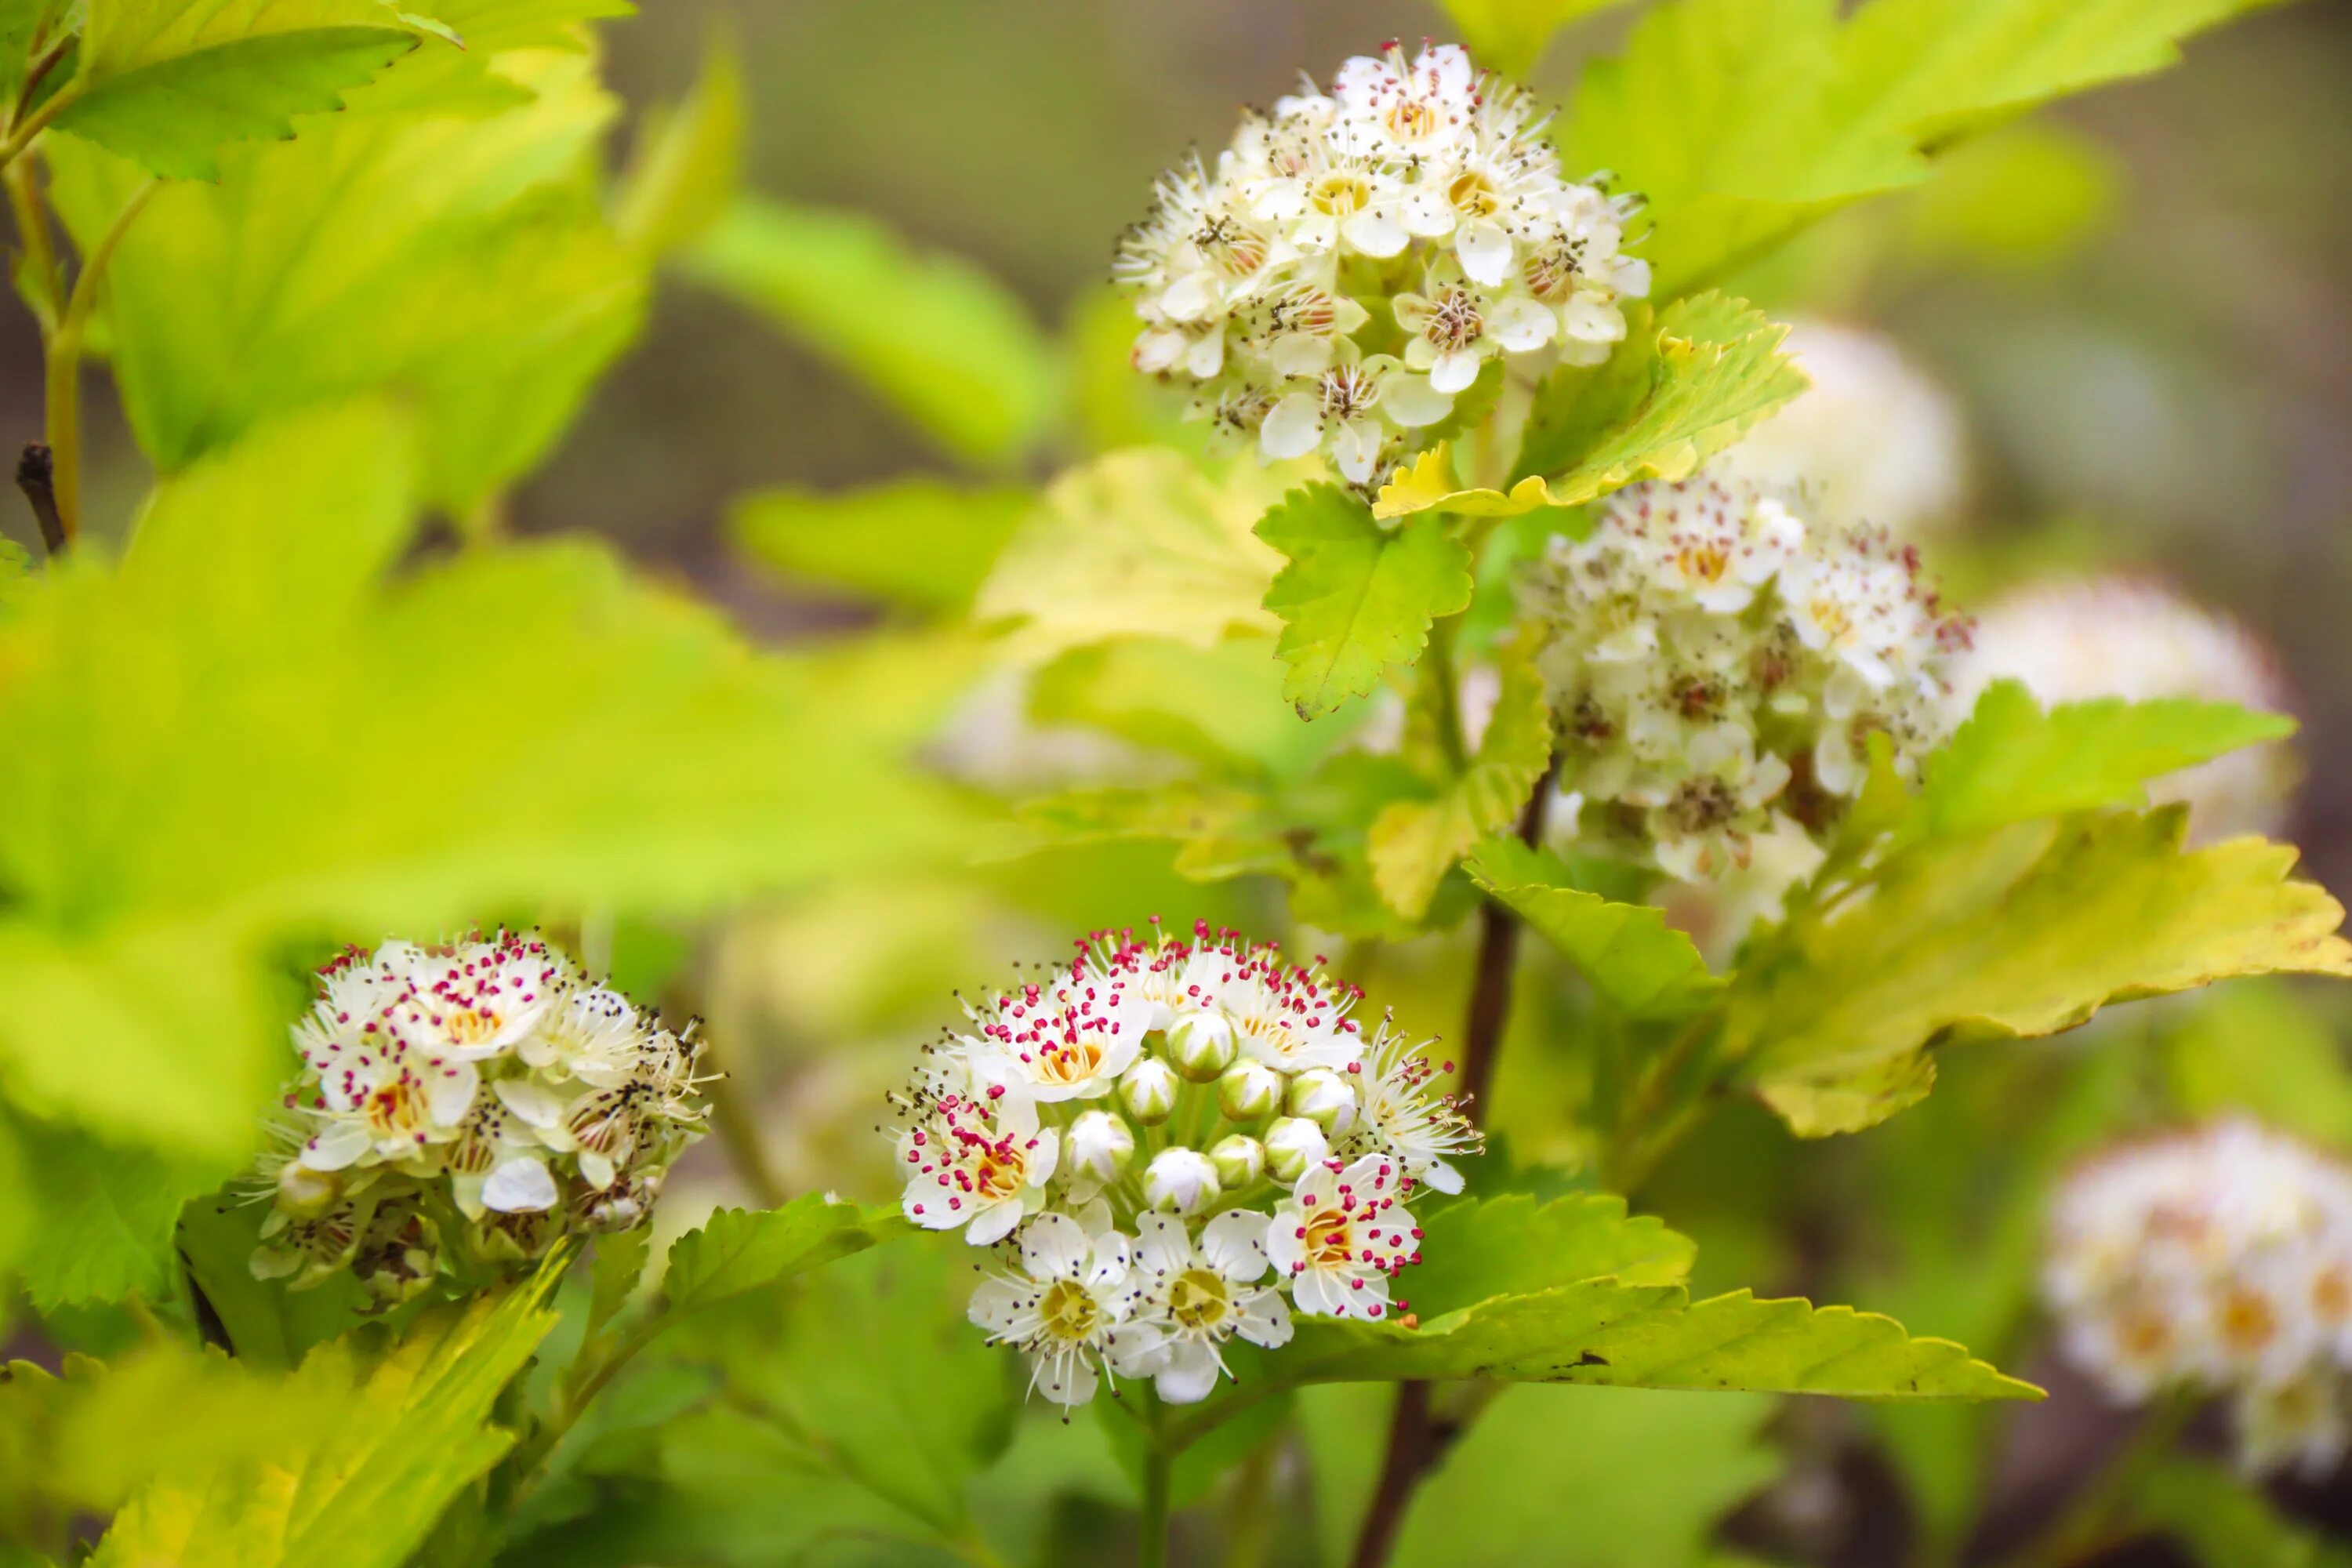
{"x": 462, "y": 1108}
{"x": 1874, "y": 439}
{"x": 1718, "y": 667}
{"x": 2128, "y": 636}
{"x": 2218, "y": 1259}
{"x": 1172, "y": 1142}
{"x": 1358, "y": 257}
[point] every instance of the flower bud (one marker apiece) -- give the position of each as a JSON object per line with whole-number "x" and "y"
{"x": 1201, "y": 1043}
{"x": 1181, "y": 1181}
{"x": 1100, "y": 1145}
{"x": 1249, "y": 1090}
{"x": 1240, "y": 1161}
{"x": 1323, "y": 1097}
{"x": 1148, "y": 1091}
{"x": 1292, "y": 1145}
{"x": 306, "y": 1193}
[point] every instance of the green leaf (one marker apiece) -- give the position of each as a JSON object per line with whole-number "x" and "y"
{"x": 270, "y": 1327}
{"x": 163, "y": 827}
{"x": 1415, "y": 841}
{"x": 2011, "y": 761}
{"x": 1680, "y": 389}
{"x": 1608, "y": 1332}
{"x": 946, "y": 345}
{"x": 2025, "y": 930}
{"x": 462, "y": 263}
{"x": 362, "y": 1492}
{"x": 169, "y": 84}
{"x": 1221, "y": 705}
{"x": 736, "y": 1251}
{"x": 2225, "y": 1521}
{"x": 1517, "y": 1244}
{"x": 919, "y": 542}
{"x": 1356, "y": 597}
{"x": 1576, "y": 1479}
{"x": 687, "y": 159}
{"x": 1741, "y": 120}
{"x": 1509, "y": 35}
{"x": 1137, "y": 543}
{"x": 613, "y": 1278}
{"x": 1643, "y": 968}
{"x": 102, "y": 1228}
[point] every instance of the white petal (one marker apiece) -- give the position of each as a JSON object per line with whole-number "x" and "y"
{"x": 991, "y": 1223}
{"x": 1375, "y": 233}
{"x": 1318, "y": 1295}
{"x": 1190, "y": 1375}
{"x": 1410, "y": 401}
{"x": 336, "y": 1145}
{"x": 1589, "y": 319}
{"x": 1264, "y": 1320}
{"x": 1521, "y": 325}
{"x": 1162, "y": 1246}
{"x": 924, "y": 1202}
{"x": 996, "y": 1305}
{"x": 1065, "y": 1379}
{"x": 1631, "y": 278}
{"x": 1106, "y": 1264}
{"x": 1234, "y": 1245}
{"x": 1295, "y": 427}
{"x": 1206, "y": 357}
{"x": 1485, "y": 252}
{"x": 1156, "y": 352}
{"x": 522, "y": 1185}
{"x": 1454, "y": 372}
{"x": 1044, "y": 1156}
{"x": 596, "y": 1169}
{"x": 449, "y": 1092}
{"x": 1441, "y": 1177}
{"x": 1354, "y": 446}
{"x": 1055, "y": 1248}
{"x": 1299, "y": 354}
{"x": 1427, "y": 213}
{"x": 1138, "y": 1350}
{"x": 533, "y": 1104}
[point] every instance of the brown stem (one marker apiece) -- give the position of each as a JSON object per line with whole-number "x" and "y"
{"x": 1415, "y": 1439}
{"x": 37, "y": 477}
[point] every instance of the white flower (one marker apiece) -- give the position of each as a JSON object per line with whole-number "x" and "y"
{"x": 1268, "y": 283}
{"x": 487, "y": 1077}
{"x": 2218, "y": 1260}
{"x": 1341, "y": 1234}
{"x": 1196, "y": 1296}
{"x": 1070, "y": 1039}
{"x": 1718, "y": 668}
{"x": 2069, "y": 641}
{"x": 976, "y": 1163}
{"x": 1402, "y": 1117}
{"x": 1063, "y": 1306}
{"x": 1181, "y": 1181}
{"x": 1872, "y": 440}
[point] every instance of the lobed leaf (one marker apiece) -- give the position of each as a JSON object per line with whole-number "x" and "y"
{"x": 1682, "y": 387}
{"x": 687, "y": 161}
{"x": 1519, "y": 1244}
{"x": 168, "y": 83}
{"x": 737, "y": 1251}
{"x": 1356, "y": 597}
{"x": 2025, "y": 930}
{"x": 1137, "y": 543}
{"x": 1644, "y": 968}
{"x": 919, "y": 542}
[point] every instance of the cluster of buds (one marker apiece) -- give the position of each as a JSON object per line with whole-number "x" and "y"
{"x": 460, "y": 1109}
{"x": 1359, "y": 256}
{"x": 1173, "y": 1142}
{"x": 2128, "y": 636}
{"x": 2218, "y": 1261}
{"x": 1718, "y": 668}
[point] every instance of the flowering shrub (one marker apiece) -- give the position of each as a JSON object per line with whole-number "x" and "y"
{"x": 1546, "y": 647}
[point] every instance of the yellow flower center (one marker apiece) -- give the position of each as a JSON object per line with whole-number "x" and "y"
{"x": 1341, "y": 194}
{"x": 1067, "y": 1310}
{"x": 1197, "y": 1298}
{"x": 1073, "y": 1061}
{"x": 1330, "y": 1242}
{"x": 1474, "y": 194}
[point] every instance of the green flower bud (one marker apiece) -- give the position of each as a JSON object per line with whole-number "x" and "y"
{"x": 1292, "y": 1144}
{"x": 1098, "y": 1144}
{"x": 1201, "y": 1045}
{"x": 1249, "y": 1090}
{"x": 1324, "y": 1098}
{"x": 1181, "y": 1181}
{"x": 1240, "y": 1161}
{"x": 1148, "y": 1091}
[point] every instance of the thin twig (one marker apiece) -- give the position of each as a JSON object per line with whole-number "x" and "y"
{"x": 35, "y": 476}
{"x": 1415, "y": 1439}
{"x": 64, "y": 378}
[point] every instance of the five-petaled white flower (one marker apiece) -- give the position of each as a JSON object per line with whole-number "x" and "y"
{"x": 1341, "y": 1234}
{"x": 1194, "y": 1297}
{"x": 1062, "y": 1305}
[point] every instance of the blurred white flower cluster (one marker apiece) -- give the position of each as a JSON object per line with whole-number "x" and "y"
{"x": 2220, "y": 1261}
{"x": 1358, "y": 256}
{"x": 1178, "y": 1141}
{"x": 1718, "y": 667}
{"x": 460, "y": 1109}
{"x": 1872, "y": 440}
{"x": 2125, "y": 637}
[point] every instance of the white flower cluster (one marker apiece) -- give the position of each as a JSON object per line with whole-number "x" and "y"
{"x": 1359, "y": 256}
{"x": 2127, "y": 636}
{"x": 1718, "y": 667}
{"x": 462, "y": 1108}
{"x": 1156, "y": 1128}
{"x": 1874, "y": 439}
{"x": 2218, "y": 1259}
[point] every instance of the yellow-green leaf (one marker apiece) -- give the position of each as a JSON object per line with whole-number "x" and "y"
{"x": 1642, "y": 967}
{"x": 1356, "y": 597}
{"x": 737, "y": 1251}
{"x": 921, "y": 542}
{"x": 1511, "y": 35}
{"x": 1680, "y": 388}
{"x": 687, "y": 159}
